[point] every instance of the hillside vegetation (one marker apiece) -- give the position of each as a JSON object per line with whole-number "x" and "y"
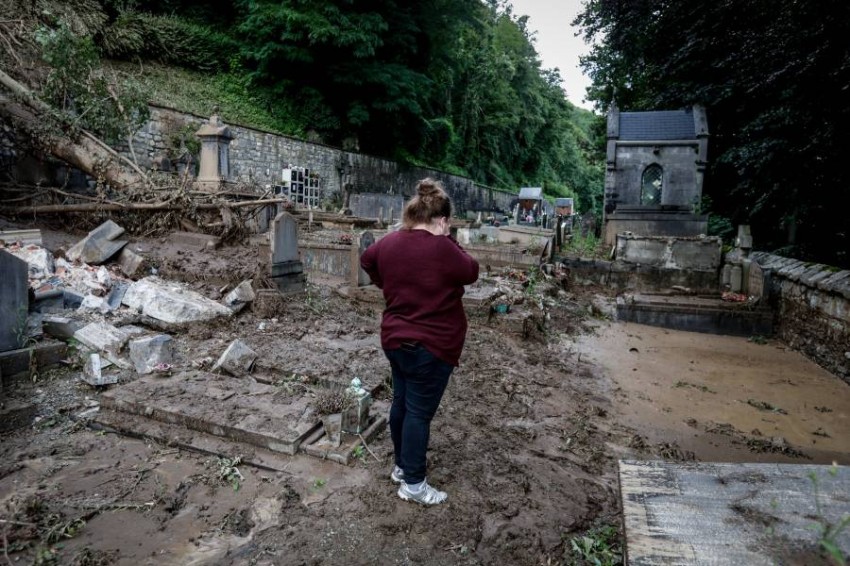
{"x": 455, "y": 85}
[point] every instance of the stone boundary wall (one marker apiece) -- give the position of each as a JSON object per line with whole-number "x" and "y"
{"x": 260, "y": 157}
{"x": 813, "y": 302}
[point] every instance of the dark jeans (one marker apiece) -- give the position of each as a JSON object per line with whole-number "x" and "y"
{"x": 419, "y": 380}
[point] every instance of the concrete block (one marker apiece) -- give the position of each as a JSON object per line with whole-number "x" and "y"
{"x": 238, "y": 359}
{"x": 61, "y": 327}
{"x": 131, "y": 263}
{"x": 146, "y": 353}
{"x": 240, "y": 296}
{"x": 102, "y": 337}
{"x": 93, "y": 372}
{"x": 171, "y": 303}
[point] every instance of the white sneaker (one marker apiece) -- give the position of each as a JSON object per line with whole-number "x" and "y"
{"x": 397, "y": 475}
{"x": 421, "y": 493}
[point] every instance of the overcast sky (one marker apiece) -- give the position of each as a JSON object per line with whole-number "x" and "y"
{"x": 556, "y": 42}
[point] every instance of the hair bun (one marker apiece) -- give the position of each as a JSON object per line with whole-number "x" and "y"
{"x": 428, "y": 188}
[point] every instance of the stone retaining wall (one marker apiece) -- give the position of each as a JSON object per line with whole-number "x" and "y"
{"x": 260, "y": 157}
{"x": 813, "y": 301}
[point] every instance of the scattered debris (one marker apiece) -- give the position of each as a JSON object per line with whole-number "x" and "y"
{"x": 765, "y": 406}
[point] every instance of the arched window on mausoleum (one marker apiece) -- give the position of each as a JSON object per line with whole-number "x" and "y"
{"x": 650, "y": 185}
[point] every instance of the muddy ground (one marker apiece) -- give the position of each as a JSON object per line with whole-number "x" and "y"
{"x": 526, "y": 440}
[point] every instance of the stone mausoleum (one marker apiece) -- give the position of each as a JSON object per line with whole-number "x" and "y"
{"x": 654, "y": 173}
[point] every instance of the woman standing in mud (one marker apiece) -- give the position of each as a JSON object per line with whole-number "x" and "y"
{"x": 422, "y": 271}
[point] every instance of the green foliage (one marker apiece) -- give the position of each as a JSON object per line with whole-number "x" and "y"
{"x": 829, "y": 531}
{"x": 600, "y": 546}
{"x": 86, "y": 94}
{"x": 229, "y": 473}
{"x": 452, "y": 84}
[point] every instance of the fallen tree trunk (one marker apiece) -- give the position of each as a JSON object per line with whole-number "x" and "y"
{"x": 85, "y": 152}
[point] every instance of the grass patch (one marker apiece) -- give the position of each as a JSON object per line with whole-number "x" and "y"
{"x": 702, "y": 388}
{"x": 600, "y": 546}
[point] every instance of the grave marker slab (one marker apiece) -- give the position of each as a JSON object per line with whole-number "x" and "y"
{"x": 287, "y": 271}
{"x": 14, "y": 289}
{"x": 359, "y": 278}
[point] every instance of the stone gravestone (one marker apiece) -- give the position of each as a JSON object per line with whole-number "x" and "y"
{"x": 14, "y": 300}
{"x": 360, "y": 278}
{"x": 588, "y": 225}
{"x": 287, "y": 269}
{"x": 759, "y": 282}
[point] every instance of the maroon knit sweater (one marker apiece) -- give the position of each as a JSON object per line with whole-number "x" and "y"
{"x": 422, "y": 276}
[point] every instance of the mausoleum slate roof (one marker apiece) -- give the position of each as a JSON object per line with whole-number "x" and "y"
{"x": 657, "y": 125}
{"x": 563, "y": 202}
{"x": 531, "y": 193}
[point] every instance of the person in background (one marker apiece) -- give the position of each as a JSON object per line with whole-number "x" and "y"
{"x": 421, "y": 270}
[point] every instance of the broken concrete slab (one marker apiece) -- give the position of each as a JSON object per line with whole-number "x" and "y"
{"x": 238, "y": 409}
{"x": 195, "y": 242}
{"x": 14, "y": 300}
{"x": 102, "y": 337}
{"x": 240, "y": 296}
{"x": 100, "y": 244}
{"x": 237, "y": 359}
{"x": 169, "y": 302}
{"x": 149, "y": 352}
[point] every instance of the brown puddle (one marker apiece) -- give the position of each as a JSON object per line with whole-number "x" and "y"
{"x": 724, "y": 398}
